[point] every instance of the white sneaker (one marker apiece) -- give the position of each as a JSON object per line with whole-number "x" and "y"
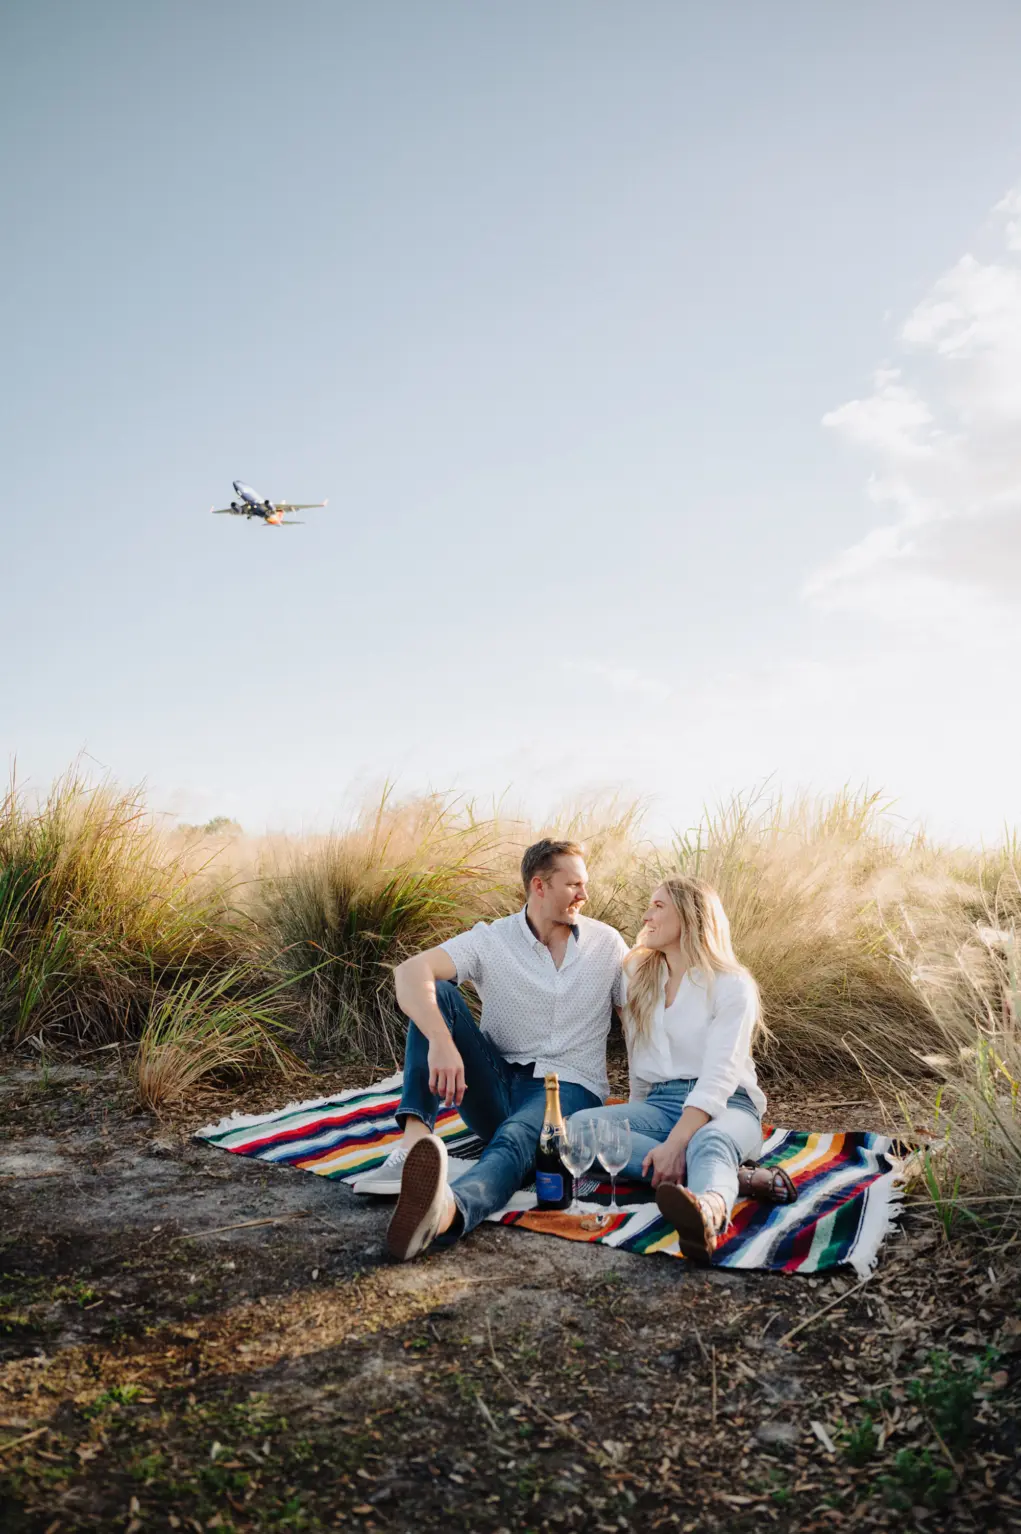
{"x": 423, "y": 1200}
{"x": 385, "y": 1181}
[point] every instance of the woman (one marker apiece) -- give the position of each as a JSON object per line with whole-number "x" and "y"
{"x": 696, "y": 1108}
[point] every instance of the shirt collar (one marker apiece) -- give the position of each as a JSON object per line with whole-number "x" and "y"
{"x": 533, "y": 936}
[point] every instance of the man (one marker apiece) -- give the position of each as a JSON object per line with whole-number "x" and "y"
{"x": 548, "y": 978}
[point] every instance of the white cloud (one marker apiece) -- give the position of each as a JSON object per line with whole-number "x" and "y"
{"x": 943, "y": 433}
{"x": 892, "y": 420}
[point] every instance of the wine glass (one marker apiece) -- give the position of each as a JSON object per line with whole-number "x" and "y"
{"x": 613, "y": 1142}
{"x": 577, "y": 1151}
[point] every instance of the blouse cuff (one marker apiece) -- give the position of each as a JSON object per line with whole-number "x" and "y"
{"x": 708, "y": 1101}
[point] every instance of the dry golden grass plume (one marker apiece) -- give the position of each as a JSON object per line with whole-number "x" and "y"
{"x": 212, "y": 950}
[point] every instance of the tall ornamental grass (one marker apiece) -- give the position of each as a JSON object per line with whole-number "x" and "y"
{"x": 108, "y": 936}
{"x": 875, "y": 951}
{"x": 341, "y": 911}
{"x": 208, "y": 1028}
{"x": 967, "y": 973}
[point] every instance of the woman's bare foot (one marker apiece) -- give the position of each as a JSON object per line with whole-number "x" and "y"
{"x": 716, "y": 1207}
{"x": 697, "y": 1219}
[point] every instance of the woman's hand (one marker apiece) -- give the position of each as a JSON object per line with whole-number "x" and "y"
{"x": 666, "y": 1162}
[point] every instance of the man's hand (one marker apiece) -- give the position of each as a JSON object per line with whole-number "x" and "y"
{"x": 667, "y": 1162}
{"x": 446, "y": 1071}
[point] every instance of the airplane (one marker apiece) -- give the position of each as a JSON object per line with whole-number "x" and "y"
{"x": 271, "y": 512}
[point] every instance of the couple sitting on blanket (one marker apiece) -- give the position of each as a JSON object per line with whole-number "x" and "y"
{"x": 548, "y": 978}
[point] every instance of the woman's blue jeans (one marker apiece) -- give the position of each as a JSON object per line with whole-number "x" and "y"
{"x": 714, "y": 1152}
{"x": 503, "y": 1104}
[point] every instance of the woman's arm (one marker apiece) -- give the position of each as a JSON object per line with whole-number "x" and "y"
{"x": 667, "y": 1161}
{"x": 639, "y": 1088}
{"x": 728, "y": 1044}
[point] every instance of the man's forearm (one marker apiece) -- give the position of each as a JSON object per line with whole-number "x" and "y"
{"x": 416, "y": 996}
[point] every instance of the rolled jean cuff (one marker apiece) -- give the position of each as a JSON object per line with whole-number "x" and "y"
{"x": 402, "y": 1113}
{"x": 458, "y": 1226}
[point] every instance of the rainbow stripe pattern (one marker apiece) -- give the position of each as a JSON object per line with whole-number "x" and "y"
{"x": 849, "y": 1185}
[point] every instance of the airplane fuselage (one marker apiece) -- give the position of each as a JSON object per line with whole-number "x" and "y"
{"x": 259, "y": 506}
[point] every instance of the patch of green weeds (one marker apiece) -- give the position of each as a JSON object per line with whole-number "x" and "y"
{"x": 860, "y": 1440}
{"x": 778, "y": 1487}
{"x": 111, "y": 1400}
{"x": 292, "y": 1515}
{"x": 915, "y": 1479}
{"x": 14, "y": 1321}
{"x": 946, "y": 1197}
{"x": 146, "y": 1467}
{"x": 221, "y": 1479}
{"x": 17, "y": 1300}
{"x": 52, "y": 1475}
{"x": 945, "y": 1393}
{"x": 302, "y": 1450}
{"x": 465, "y": 1388}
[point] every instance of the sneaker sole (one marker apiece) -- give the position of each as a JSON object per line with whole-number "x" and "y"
{"x": 681, "y": 1210}
{"x": 420, "y": 1204}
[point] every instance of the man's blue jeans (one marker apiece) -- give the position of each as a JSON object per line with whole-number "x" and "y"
{"x": 503, "y": 1104}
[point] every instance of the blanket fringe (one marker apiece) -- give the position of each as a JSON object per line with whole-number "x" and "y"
{"x": 243, "y": 1120}
{"x": 884, "y": 1205}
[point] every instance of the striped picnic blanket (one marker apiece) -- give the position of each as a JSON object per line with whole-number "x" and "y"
{"x": 849, "y": 1185}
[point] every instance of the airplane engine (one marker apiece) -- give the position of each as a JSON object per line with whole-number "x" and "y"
{"x": 236, "y": 506}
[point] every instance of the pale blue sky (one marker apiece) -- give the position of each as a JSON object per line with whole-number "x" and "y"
{"x": 550, "y": 300}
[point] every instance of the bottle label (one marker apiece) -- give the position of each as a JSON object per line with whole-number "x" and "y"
{"x": 549, "y": 1187}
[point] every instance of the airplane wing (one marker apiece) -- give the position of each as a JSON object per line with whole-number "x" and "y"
{"x": 225, "y": 511}
{"x": 297, "y": 505}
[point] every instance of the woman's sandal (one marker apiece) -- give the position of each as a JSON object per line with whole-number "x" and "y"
{"x": 767, "y": 1184}
{"x": 692, "y": 1220}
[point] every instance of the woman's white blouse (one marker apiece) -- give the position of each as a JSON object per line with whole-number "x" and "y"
{"x": 705, "y": 1037}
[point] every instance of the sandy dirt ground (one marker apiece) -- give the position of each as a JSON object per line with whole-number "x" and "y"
{"x": 158, "y": 1371}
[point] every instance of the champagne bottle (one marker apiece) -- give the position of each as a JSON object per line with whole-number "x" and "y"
{"x": 554, "y": 1185}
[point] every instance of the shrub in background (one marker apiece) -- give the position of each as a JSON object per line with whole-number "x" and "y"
{"x": 340, "y": 912}
{"x": 208, "y": 1028}
{"x": 108, "y": 936}
{"x": 967, "y": 974}
{"x": 874, "y": 951}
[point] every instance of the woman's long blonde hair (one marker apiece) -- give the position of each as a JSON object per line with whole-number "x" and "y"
{"x": 706, "y": 946}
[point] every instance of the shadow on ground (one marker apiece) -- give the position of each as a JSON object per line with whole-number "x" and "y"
{"x": 158, "y": 1371}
